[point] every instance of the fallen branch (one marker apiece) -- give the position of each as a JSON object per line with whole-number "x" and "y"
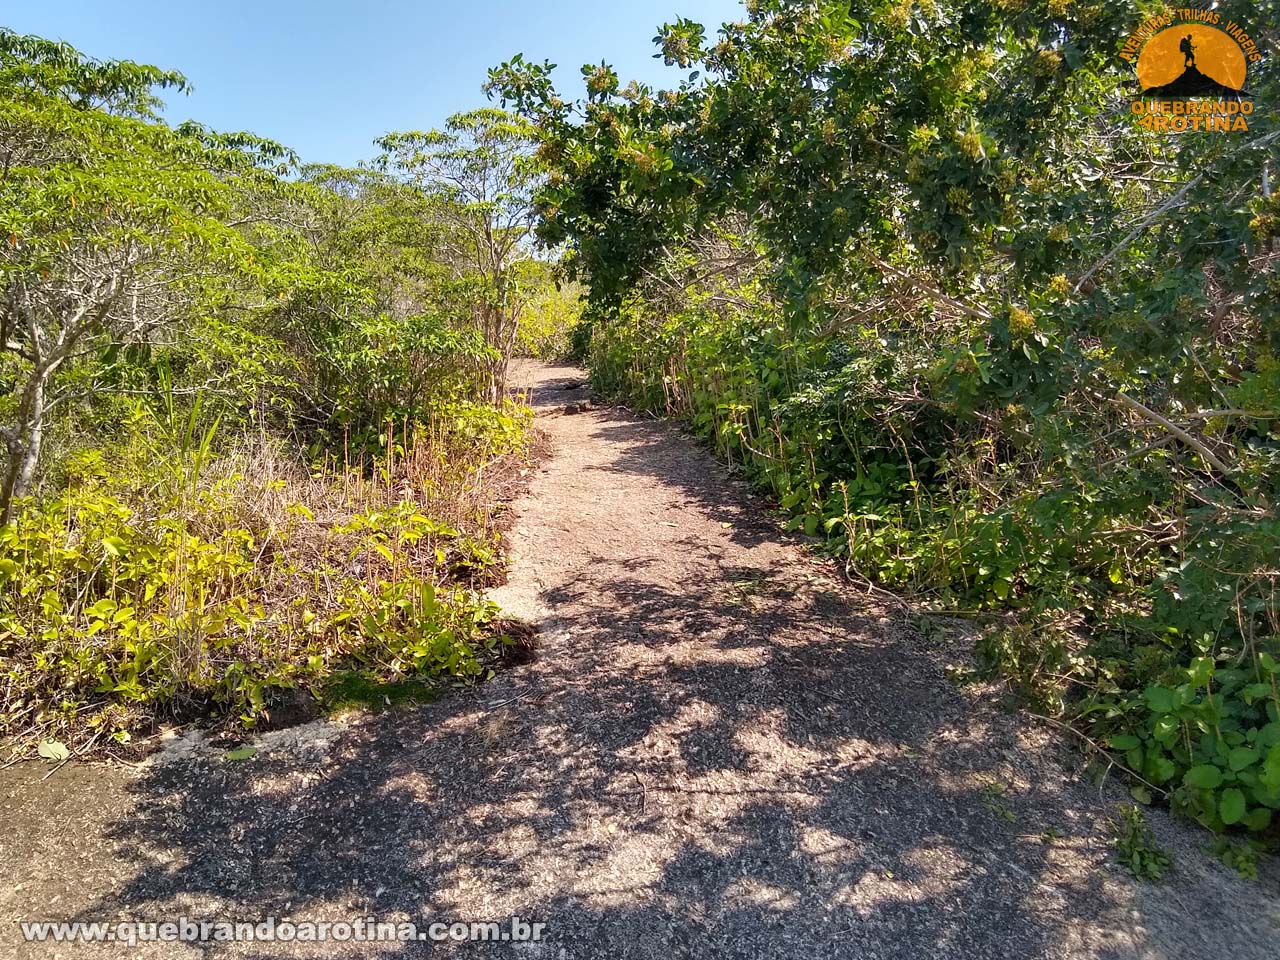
{"x": 1151, "y": 416}
{"x": 1175, "y": 201}
{"x": 979, "y": 313}
{"x": 644, "y": 794}
{"x": 1112, "y": 761}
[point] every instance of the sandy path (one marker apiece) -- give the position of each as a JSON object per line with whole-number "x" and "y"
{"x": 719, "y": 752}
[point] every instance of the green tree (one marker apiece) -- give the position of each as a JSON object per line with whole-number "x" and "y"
{"x": 480, "y": 170}
{"x": 101, "y": 208}
{"x": 916, "y": 264}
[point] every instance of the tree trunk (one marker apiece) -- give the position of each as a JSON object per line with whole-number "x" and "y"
{"x": 24, "y": 444}
{"x": 12, "y": 469}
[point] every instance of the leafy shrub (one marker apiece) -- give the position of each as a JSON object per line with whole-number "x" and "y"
{"x": 252, "y": 409}
{"x": 1136, "y": 846}
{"x": 547, "y": 323}
{"x": 1213, "y": 737}
{"x": 868, "y": 258}
{"x": 123, "y": 603}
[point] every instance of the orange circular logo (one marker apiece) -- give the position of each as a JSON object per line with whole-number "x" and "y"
{"x": 1191, "y": 60}
{"x": 1192, "y": 65}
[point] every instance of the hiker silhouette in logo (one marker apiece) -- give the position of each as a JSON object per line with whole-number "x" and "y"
{"x": 1188, "y": 50}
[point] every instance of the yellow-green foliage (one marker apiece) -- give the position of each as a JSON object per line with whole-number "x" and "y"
{"x": 545, "y": 324}
{"x": 252, "y": 409}
{"x": 915, "y": 308}
{"x": 123, "y": 601}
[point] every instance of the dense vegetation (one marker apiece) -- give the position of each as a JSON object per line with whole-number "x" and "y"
{"x": 916, "y": 268}
{"x": 253, "y": 410}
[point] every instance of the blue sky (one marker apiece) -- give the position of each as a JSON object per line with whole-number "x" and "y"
{"x": 327, "y": 77}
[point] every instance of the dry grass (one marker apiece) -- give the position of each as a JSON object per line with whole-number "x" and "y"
{"x": 273, "y": 574}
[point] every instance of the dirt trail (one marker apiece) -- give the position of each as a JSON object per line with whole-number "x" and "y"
{"x": 719, "y": 752}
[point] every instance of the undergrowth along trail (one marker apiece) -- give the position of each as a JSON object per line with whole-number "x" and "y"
{"x": 719, "y": 743}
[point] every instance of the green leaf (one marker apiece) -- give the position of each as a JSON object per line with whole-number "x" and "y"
{"x": 1166, "y": 729}
{"x": 1203, "y": 777}
{"x": 241, "y": 753}
{"x": 115, "y": 546}
{"x": 53, "y": 750}
{"x": 1160, "y": 769}
{"x": 1259, "y": 818}
{"x": 1231, "y": 806}
{"x": 1161, "y": 699}
{"x": 1268, "y": 736}
{"x": 1201, "y": 671}
{"x": 1270, "y": 777}
{"x": 1134, "y": 758}
{"x": 1242, "y": 757}
{"x": 1256, "y": 691}
{"x": 103, "y": 609}
{"x": 1125, "y": 741}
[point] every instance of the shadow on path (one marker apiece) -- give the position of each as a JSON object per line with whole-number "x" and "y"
{"x": 719, "y": 752}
